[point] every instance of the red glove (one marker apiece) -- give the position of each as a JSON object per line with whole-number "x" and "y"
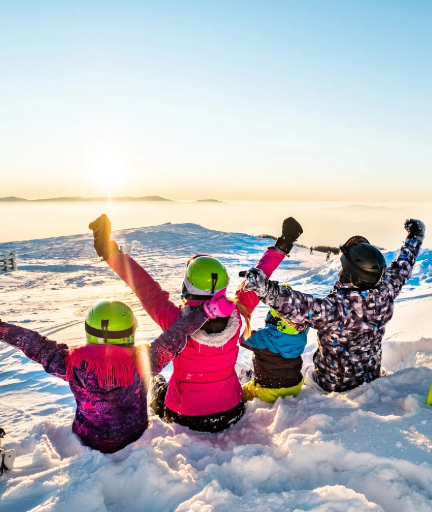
{"x": 219, "y": 305}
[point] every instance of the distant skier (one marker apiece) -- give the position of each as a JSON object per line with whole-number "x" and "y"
{"x": 277, "y": 359}
{"x": 109, "y": 375}
{"x": 204, "y": 392}
{"x": 311, "y": 250}
{"x": 351, "y": 319}
{"x": 328, "y": 255}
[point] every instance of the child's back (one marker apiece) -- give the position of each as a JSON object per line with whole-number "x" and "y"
{"x": 108, "y": 416}
{"x": 277, "y": 359}
{"x": 351, "y": 320}
{"x": 108, "y": 381}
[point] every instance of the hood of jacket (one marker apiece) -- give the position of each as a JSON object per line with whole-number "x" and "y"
{"x": 287, "y": 345}
{"x": 220, "y": 338}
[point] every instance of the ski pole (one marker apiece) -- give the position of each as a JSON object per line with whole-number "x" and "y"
{"x": 429, "y": 397}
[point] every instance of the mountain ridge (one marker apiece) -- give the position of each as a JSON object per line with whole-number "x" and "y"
{"x": 77, "y": 199}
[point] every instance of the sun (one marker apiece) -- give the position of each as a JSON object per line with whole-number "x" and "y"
{"x": 107, "y": 169}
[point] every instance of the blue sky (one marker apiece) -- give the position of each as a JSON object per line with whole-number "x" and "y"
{"x": 233, "y": 100}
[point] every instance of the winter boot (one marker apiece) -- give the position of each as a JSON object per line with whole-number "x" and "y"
{"x": 158, "y": 391}
{"x": 7, "y": 456}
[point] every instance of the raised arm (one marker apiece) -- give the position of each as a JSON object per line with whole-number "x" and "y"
{"x": 37, "y": 348}
{"x": 169, "y": 344}
{"x": 401, "y": 269}
{"x": 153, "y": 299}
{"x": 271, "y": 260}
{"x": 300, "y": 308}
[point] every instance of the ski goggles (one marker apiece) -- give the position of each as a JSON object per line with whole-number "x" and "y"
{"x": 190, "y": 289}
{"x": 283, "y": 324}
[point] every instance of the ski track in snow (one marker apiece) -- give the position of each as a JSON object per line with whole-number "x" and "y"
{"x": 365, "y": 450}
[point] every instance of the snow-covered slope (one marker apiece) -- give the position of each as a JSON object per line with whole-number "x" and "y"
{"x": 365, "y": 450}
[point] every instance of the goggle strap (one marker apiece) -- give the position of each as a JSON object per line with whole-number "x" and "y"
{"x": 195, "y": 257}
{"x": 352, "y": 241}
{"x": 104, "y": 334}
{"x": 196, "y": 291}
{"x": 274, "y": 321}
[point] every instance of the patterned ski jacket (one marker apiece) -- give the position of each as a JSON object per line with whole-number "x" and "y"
{"x": 110, "y": 414}
{"x": 350, "y": 323}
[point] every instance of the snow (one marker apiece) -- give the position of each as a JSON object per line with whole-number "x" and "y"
{"x": 365, "y": 450}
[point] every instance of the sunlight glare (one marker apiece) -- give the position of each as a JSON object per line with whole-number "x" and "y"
{"x": 107, "y": 169}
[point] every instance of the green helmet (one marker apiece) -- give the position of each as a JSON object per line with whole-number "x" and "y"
{"x": 111, "y": 322}
{"x": 281, "y": 323}
{"x": 204, "y": 276}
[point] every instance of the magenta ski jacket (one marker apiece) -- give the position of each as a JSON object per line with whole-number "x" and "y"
{"x": 111, "y": 414}
{"x": 204, "y": 381}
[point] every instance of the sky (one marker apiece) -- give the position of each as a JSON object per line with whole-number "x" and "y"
{"x": 253, "y": 100}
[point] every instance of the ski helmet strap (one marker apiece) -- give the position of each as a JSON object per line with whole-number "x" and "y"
{"x": 104, "y": 326}
{"x": 112, "y": 335}
{"x": 214, "y": 277}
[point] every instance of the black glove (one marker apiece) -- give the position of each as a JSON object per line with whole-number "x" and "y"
{"x": 256, "y": 281}
{"x": 2, "y": 433}
{"x": 103, "y": 244}
{"x": 291, "y": 230}
{"x": 415, "y": 228}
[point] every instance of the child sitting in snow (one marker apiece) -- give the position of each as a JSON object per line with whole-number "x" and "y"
{"x": 277, "y": 359}
{"x": 352, "y": 318}
{"x": 109, "y": 375}
{"x": 204, "y": 392}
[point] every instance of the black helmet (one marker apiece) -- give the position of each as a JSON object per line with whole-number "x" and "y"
{"x": 363, "y": 265}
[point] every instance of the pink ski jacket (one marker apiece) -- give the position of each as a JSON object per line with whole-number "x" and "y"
{"x": 204, "y": 379}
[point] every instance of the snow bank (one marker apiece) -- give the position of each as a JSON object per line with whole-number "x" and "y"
{"x": 323, "y": 499}
{"x": 365, "y": 450}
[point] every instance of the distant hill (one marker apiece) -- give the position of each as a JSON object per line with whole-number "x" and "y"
{"x": 208, "y": 201}
{"x": 102, "y": 199}
{"x": 12, "y": 199}
{"x": 77, "y": 199}
{"x": 85, "y": 199}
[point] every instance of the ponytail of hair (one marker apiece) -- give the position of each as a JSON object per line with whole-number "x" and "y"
{"x": 246, "y": 314}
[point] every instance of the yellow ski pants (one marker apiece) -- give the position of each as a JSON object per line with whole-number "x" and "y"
{"x": 253, "y": 390}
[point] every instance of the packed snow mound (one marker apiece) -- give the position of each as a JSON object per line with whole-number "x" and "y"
{"x": 323, "y": 499}
{"x": 365, "y": 450}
